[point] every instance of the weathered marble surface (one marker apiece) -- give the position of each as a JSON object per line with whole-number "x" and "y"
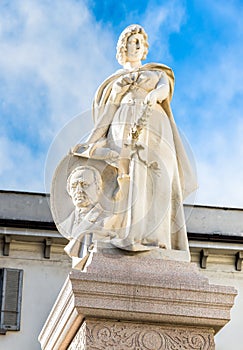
{"x": 150, "y": 292}
{"x": 135, "y": 135}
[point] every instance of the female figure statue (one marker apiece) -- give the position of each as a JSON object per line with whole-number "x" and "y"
{"x": 136, "y": 133}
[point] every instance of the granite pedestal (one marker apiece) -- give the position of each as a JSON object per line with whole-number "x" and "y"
{"x": 136, "y": 302}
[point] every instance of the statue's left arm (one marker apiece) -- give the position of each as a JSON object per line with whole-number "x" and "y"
{"x": 160, "y": 93}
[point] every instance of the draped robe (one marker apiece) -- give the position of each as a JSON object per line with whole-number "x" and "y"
{"x": 160, "y": 173}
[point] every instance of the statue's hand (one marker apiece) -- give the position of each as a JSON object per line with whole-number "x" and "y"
{"x": 113, "y": 155}
{"x": 121, "y": 85}
{"x": 79, "y": 148}
{"x": 151, "y": 99}
{"x": 105, "y": 153}
{"x": 159, "y": 94}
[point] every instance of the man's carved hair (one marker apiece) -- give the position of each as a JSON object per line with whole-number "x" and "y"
{"x": 96, "y": 174}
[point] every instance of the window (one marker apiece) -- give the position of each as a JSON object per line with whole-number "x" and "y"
{"x": 11, "y": 281}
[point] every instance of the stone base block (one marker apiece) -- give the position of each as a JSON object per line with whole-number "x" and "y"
{"x": 114, "y": 335}
{"x": 125, "y": 302}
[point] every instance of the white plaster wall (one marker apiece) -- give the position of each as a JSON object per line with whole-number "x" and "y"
{"x": 231, "y": 336}
{"x": 42, "y": 282}
{"x": 43, "y": 279}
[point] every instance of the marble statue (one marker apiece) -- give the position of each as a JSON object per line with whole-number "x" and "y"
{"x": 135, "y": 134}
{"x": 86, "y": 223}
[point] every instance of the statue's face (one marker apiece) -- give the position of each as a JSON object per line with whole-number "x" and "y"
{"x": 135, "y": 48}
{"x": 83, "y": 189}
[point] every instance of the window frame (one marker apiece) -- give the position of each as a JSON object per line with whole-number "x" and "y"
{"x": 5, "y": 291}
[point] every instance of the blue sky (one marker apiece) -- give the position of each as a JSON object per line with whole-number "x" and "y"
{"x": 54, "y": 54}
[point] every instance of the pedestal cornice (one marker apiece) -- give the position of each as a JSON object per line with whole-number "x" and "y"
{"x": 129, "y": 289}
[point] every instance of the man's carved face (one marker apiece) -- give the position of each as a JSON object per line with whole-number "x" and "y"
{"x": 83, "y": 189}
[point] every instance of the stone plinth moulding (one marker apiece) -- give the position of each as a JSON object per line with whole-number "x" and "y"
{"x": 109, "y": 335}
{"x": 124, "y": 302}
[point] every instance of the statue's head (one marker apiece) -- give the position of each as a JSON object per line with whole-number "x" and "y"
{"x": 84, "y": 185}
{"x": 122, "y": 45}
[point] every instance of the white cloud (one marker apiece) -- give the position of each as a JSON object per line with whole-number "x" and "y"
{"x": 213, "y": 113}
{"x": 220, "y": 169}
{"x": 160, "y": 21}
{"x": 55, "y": 56}
{"x": 59, "y": 45}
{"x": 206, "y": 105}
{"x": 20, "y": 167}
{"x": 208, "y": 96}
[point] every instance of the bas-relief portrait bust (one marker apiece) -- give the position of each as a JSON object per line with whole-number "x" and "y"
{"x": 135, "y": 134}
{"x": 86, "y": 222}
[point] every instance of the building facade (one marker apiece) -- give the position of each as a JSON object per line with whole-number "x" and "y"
{"x": 34, "y": 266}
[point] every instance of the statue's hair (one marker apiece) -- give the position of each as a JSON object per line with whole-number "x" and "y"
{"x": 121, "y": 46}
{"x": 96, "y": 173}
